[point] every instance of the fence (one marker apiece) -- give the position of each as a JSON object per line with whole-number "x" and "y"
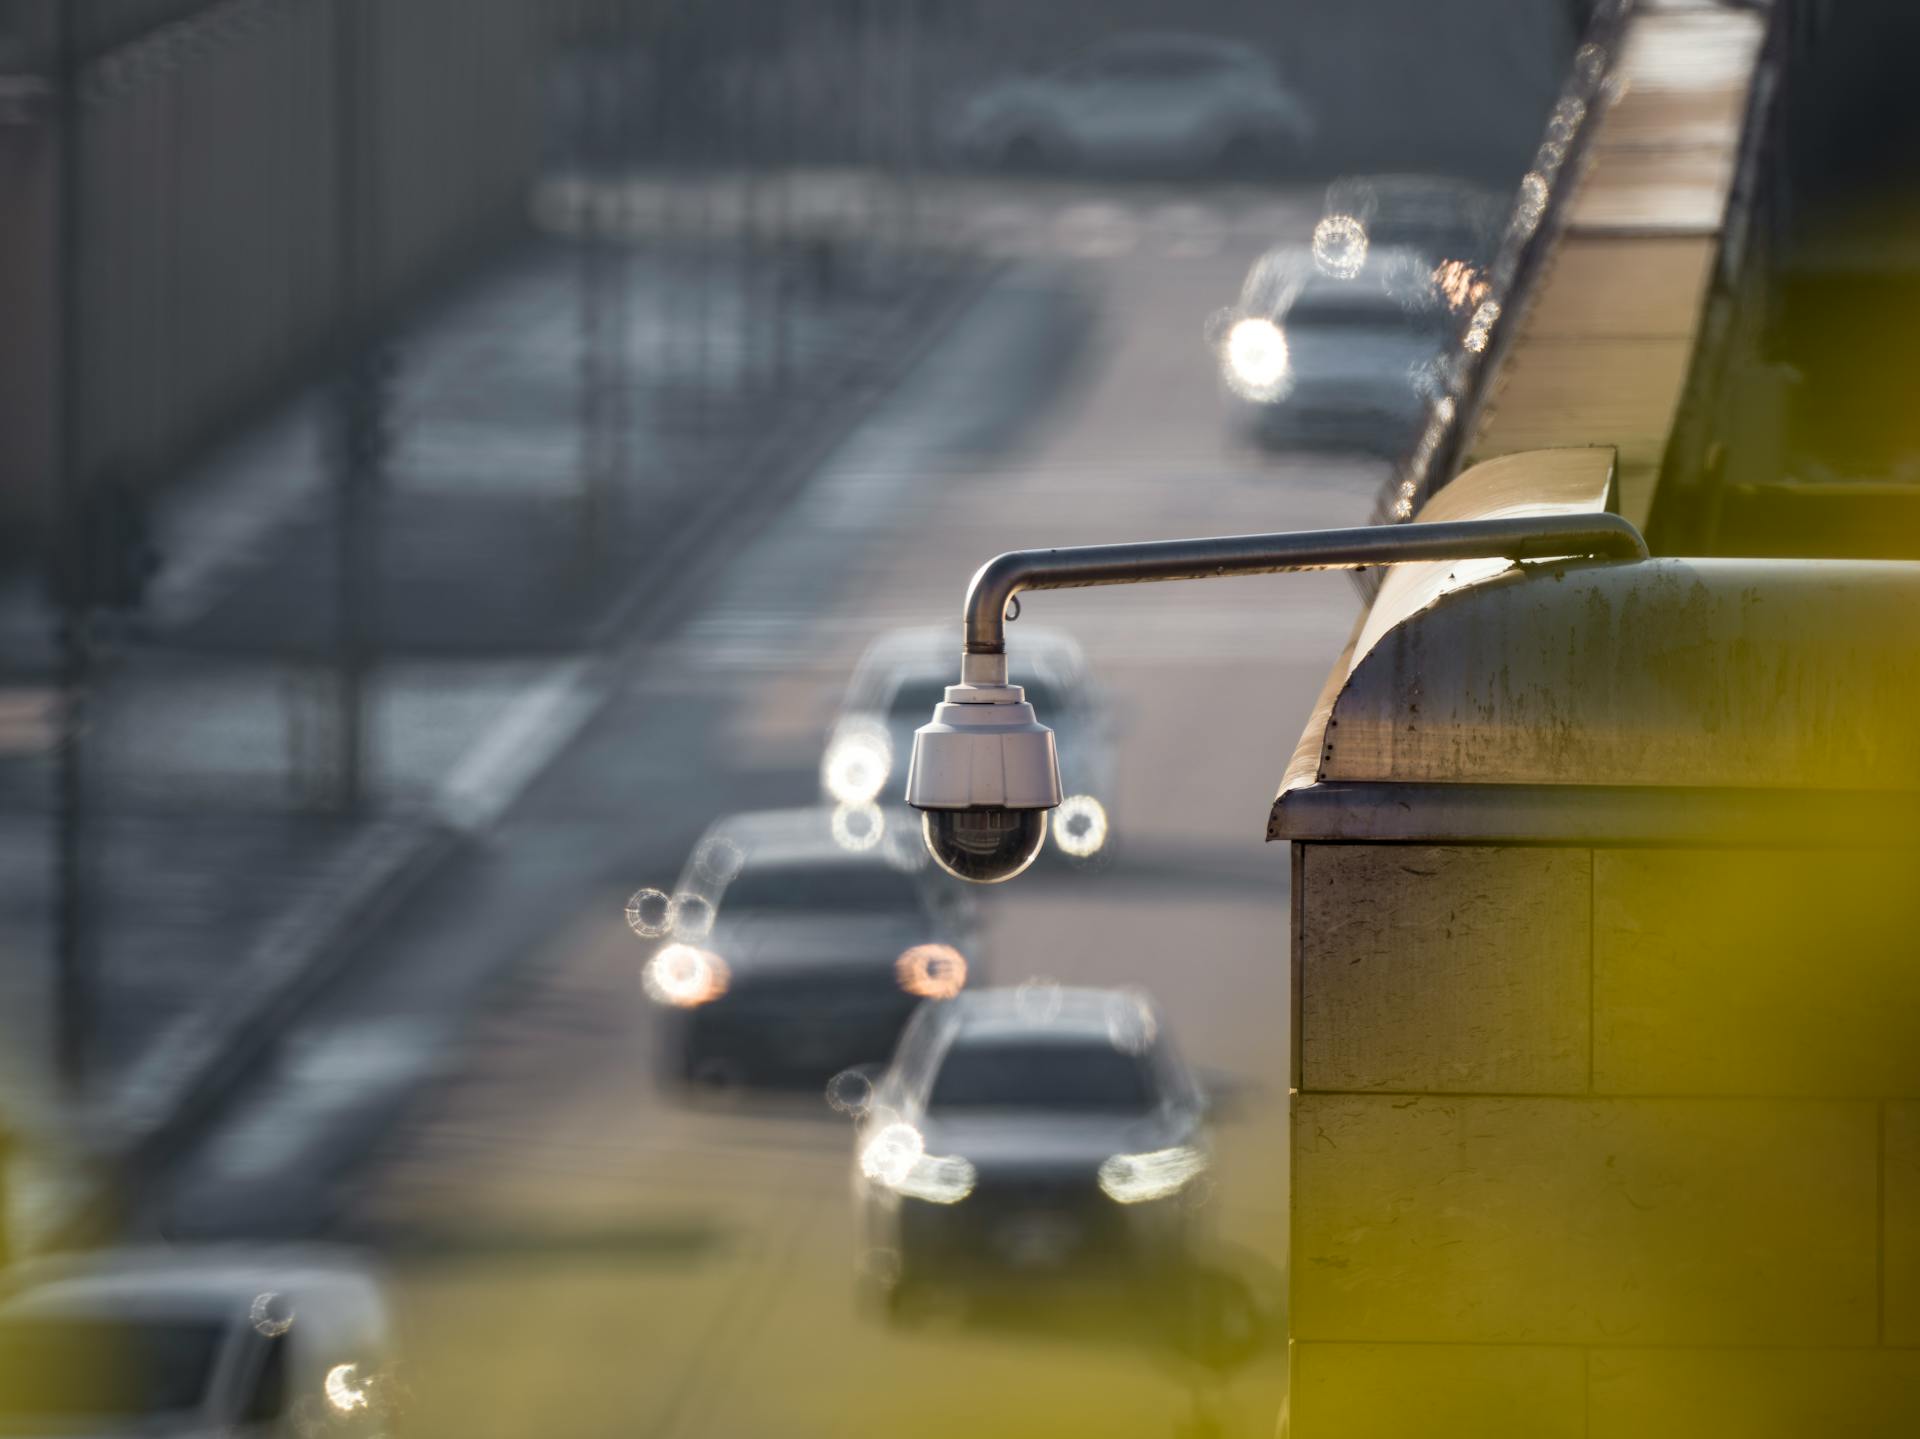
{"x": 217, "y": 199}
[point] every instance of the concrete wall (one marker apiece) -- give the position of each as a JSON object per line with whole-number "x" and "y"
{"x": 1605, "y": 1142}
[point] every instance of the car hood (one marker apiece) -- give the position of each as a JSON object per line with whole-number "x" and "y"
{"x": 1005, "y": 1144}
{"x": 804, "y": 942}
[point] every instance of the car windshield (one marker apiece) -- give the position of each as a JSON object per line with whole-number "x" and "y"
{"x": 1446, "y": 238}
{"x": 1355, "y": 312}
{"x": 865, "y": 888}
{"x": 103, "y": 1368}
{"x": 1025, "y": 1074}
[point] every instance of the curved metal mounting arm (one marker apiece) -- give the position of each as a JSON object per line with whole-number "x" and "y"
{"x": 1599, "y": 536}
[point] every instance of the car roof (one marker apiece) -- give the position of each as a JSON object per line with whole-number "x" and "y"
{"x": 1412, "y": 192}
{"x": 805, "y": 836}
{"x": 1066, "y": 1014}
{"x": 211, "y": 1282}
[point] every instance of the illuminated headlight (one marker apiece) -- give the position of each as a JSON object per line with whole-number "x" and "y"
{"x": 932, "y": 971}
{"x": 857, "y": 764}
{"x": 1080, "y": 826}
{"x": 1137, "y": 1178}
{"x": 897, "y": 1158}
{"x": 1258, "y": 363}
{"x": 346, "y": 1389}
{"x": 682, "y": 977}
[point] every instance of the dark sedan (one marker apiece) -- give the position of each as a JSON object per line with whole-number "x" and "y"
{"x": 797, "y": 945}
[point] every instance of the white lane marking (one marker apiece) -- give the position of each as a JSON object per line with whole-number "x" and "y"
{"x": 326, "y": 1076}
{"x": 535, "y": 727}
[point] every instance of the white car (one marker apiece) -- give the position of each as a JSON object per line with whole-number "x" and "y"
{"x": 905, "y": 673}
{"x": 1338, "y": 364}
{"x": 1343, "y": 342}
{"x": 1438, "y": 216}
{"x": 1145, "y": 100}
{"x": 1036, "y": 1130}
{"x": 204, "y": 1340}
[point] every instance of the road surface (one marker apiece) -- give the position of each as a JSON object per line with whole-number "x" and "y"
{"x": 574, "y": 1253}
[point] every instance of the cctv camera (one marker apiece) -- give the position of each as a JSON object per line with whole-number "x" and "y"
{"x": 985, "y": 844}
{"x": 984, "y": 774}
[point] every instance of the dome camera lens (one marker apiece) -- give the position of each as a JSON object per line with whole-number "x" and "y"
{"x": 984, "y": 845}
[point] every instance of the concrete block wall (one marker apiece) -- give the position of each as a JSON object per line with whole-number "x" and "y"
{"x": 1605, "y": 1142}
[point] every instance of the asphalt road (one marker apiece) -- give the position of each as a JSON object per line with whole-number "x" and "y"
{"x": 573, "y": 1253}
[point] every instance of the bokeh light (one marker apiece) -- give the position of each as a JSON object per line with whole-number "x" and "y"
{"x": 1340, "y": 246}
{"x": 857, "y": 764}
{"x": 1080, "y": 826}
{"x": 1258, "y": 365}
{"x": 850, "y": 1092}
{"x": 271, "y": 1315}
{"x": 932, "y": 971}
{"x": 892, "y": 1152}
{"x": 344, "y": 1389}
{"x": 720, "y": 858}
{"x": 1481, "y": 328}
{"x": 693, "y": 916}
{"x": 681, "y": 976}
{"x": 650, "y": 913}
{"x": 857, "y": 828}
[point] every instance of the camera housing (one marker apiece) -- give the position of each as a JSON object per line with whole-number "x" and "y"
{"x": 984, "y": 774}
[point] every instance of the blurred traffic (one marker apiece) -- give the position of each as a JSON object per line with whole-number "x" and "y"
{"x": 1027, "y": 1130}
{"x": 799, "y": 942}
{"x": 1344, "y": 342}
{"x": 476, "y": 841}
{"x": 196, "y": 1341}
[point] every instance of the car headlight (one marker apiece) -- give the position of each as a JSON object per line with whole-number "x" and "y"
{"x": 1137, "y": 1178}
{"x": 1257, "y": 361}
{"x": 1080, "y": 826}
{"x": 857, "y": 763}
{"x": 932, "y": 971}
{"x": 897, "y": 1158}
{"x": 683, "y": 977}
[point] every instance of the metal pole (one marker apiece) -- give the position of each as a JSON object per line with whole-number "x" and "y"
{"x": 785, "y": 160}
{"x": 910, "y": 124}
{"x": 361, "y": 397}
{"x": 593, "y": 312}
{"x": 1600, "y": 536}
{"x": 75, "y": 581}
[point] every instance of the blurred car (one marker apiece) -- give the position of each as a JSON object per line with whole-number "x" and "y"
{"x": 802, "y": 941}
{"x": 905, "y": 673}
{"x": 1031, "y": 1130}
{"x": 192, "y": 1341}
{"x": 1435, "y": 217}
{"x": 1146, "y": 100}
{"x": 1325, "y": 363}
{"x": 1343, "y": 342}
